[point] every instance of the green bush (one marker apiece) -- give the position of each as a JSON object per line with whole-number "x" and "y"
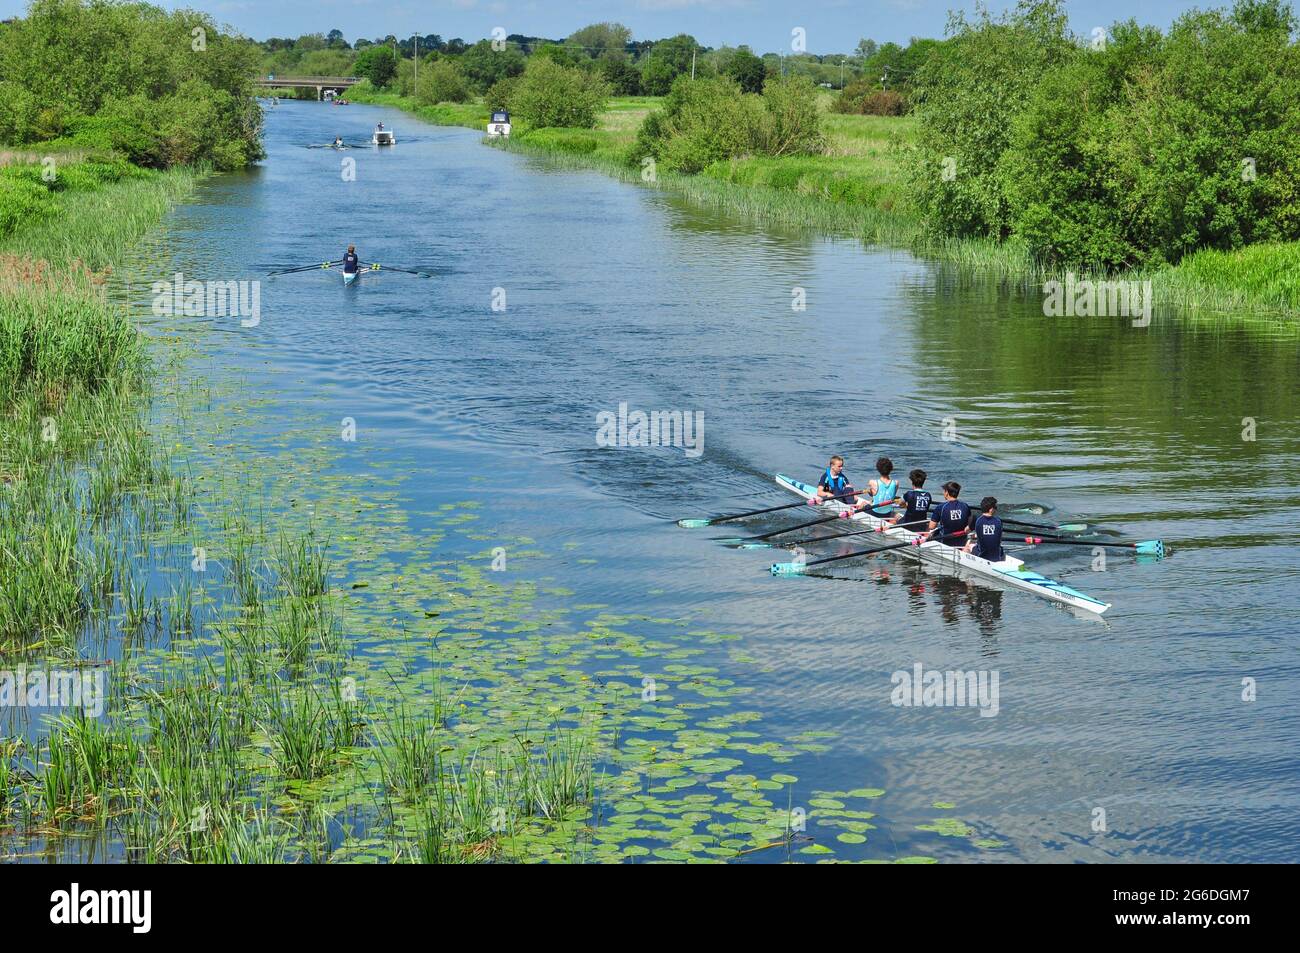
{"x": 1153, "y": 166}
{"x": 72, "y": 68}
{"x": 705, "y": 121}
{"x": 1134, "y": 153}
{"x": 176, "y": 129}
{"x": 789, "y": 124}
{"x": 22, "y": 202}
{"x": 548, "y": 94}
{"x": 441, "y": 82}
{"x": 701, "y": 122}
{"x": 498, "y": 96}
{"x": 862, "y": 98}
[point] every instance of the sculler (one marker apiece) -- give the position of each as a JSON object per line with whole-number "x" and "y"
{"x": 833, "y": 483}
{"x": 952, "y": 521}
{"x": 986, "y": 538}
{"x": 351, "y": 264}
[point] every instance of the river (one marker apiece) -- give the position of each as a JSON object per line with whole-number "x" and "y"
{"x": 620, "y": 295}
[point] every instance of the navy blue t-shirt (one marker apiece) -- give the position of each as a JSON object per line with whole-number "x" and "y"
{"x": 953, "y": 519}
{"x": 350, "y": 261}
{"x": 918, "y": 509}
{"x": 988, "y": 538}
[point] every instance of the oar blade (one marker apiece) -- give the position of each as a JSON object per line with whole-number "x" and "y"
{"x": 788, "y": 569}
{"x": 694, "y": 524}
{"x": 1150, "y": 547}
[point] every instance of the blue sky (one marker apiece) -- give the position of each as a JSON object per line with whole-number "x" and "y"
{"x": 831, "y": 25}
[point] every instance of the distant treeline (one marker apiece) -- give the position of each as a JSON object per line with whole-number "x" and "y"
{"x": 629, "y": 67}
{"x": 129, "y": 80}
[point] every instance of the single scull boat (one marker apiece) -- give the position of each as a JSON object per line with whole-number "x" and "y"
{"x": 1011, "y": 571}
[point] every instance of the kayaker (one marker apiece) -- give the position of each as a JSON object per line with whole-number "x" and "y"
{"x": 882, "y": 491}
{"x": 351, "y": 264}
{"x": 833, "y": 482}
{"x": 918, "y": 502}
{"x": 986, "y": 538}
{"x": 952, "y": 520}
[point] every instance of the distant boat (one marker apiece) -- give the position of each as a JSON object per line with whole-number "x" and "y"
{"x": 384, "y": 137}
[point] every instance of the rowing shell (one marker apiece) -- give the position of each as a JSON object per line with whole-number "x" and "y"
{"x": 1010, "y": 570}
{"x": 350, "y": 276}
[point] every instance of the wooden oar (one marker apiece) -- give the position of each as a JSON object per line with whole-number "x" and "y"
{"x": 1148, "y": 547}
{"x": 795, "y": 569}
{"x": 714, "y": 520}
{"x": 291, "y": 271}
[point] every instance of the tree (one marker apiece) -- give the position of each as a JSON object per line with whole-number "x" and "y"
{"x": 667, "y": 60}
{"x": 559, "y": 53}
{"x": 441, "y": 82}
{"x": 548, "y": 94}
{"x": 601, "y": 38}
{"x": 482, "y": 66}
{"x": 701, "y": 122}
{"x": 377, "y": 64}
{"x": 334, "y": 39}
{"x": 623, "y": 78}
{"x": 747, "y": 70}
{"x": 866, "y": 49}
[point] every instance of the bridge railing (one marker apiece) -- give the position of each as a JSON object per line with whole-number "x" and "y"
{"x": 308, "y": 80}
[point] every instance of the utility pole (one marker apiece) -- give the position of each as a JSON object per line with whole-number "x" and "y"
{"x": 692, "y": 66}
{"x": 417, "y": 61}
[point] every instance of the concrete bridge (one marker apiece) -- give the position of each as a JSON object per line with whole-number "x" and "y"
{"x": 319, "y": 83}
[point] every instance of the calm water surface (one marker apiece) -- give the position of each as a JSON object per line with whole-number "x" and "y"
{"x": 617, "y": 294}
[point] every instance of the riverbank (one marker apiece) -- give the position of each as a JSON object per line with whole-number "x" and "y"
{"x": 856, "y": 189}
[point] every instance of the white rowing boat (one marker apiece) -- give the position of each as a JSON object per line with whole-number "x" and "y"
{"x": 1011, "y": 571}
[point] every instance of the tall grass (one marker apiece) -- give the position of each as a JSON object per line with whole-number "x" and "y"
{"x": 98, "y": 226}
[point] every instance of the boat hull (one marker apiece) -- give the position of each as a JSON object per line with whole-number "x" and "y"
{"x": 350, "y": 276}
{"x": 1011, "y": 571}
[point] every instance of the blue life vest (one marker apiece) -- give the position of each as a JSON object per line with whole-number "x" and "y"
{"x": 837, "y": 486}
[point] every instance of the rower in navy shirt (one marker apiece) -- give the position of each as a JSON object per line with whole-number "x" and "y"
{"x": 952, "y": 520}
{"x": 351, "y": 263}
{"x": 917, "y": 515}
{"x": 986, "y": 532}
